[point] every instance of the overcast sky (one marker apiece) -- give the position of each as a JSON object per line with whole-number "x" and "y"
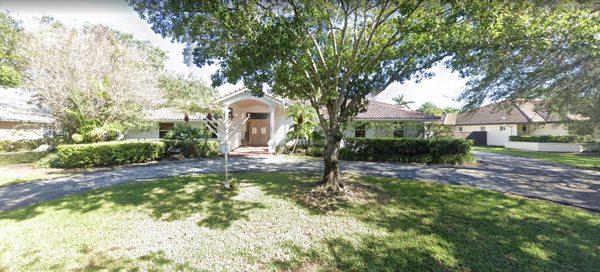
{"x": 442, "y": 89}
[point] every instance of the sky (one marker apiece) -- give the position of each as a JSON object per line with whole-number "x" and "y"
{"x": 442, "y": 89}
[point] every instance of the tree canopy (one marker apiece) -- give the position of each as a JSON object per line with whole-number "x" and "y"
{"x": 433, "y": 109}
{"x": 401, "y": 101}
{"x": 186, "y": 94}
{"x": 91, "y": 78}
{"x": 10, "y": 36}
{"x": 333, "y": 54}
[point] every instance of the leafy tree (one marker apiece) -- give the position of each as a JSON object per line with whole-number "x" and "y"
{"x": 10, "y": 36}
{"x": 552, "y": 55}
{"x": 92, "y": 77}
{"x": 188, "y": 95}
{"x": 333, "y": 54}
{"x": 305, "y": 122}
{"x": 400, "y": 101}
{"x": 450, "y": 110}
{"x": 430, "y": 108}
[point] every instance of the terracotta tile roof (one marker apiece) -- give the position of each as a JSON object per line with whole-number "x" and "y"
{"x": 502, "y": 113}
{"x": 383, "y": 111}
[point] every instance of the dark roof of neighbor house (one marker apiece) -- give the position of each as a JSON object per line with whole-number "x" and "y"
{"x": 16, "y": 105}
{"x": 383, "y": 111}
{"x": 504, "y": 112}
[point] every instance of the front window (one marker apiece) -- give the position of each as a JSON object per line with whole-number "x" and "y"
{"x": 460, "y": 128}
{"x": 359, "y": 132}
{"x": 163, "y": 129}
{"x": 524, "y": 128}
{"x": 502, "y": 128}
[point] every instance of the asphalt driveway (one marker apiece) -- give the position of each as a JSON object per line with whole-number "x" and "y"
{"x": 522, "y": 176}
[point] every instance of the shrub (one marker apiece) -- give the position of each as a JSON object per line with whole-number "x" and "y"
{"x": 108, "y": 153}
{"x": 552, "y": 139}
{"x": 315, "y": 151}
{"x": 21, "y": 145}
{"x": 181, "y": 147}
{"x": 441, "y": 150}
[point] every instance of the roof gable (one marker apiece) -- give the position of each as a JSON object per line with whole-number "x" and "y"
{"x": 504, "y": 112}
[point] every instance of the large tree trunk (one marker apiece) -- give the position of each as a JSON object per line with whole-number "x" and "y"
{"x": 331, "y": 177}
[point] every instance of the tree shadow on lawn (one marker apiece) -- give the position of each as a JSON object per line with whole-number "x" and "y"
{"x": 168, "y": 200}
{"x": 103, "y": 261}
{"x": 419, "y": 225}
{"x": 426, "y": 226}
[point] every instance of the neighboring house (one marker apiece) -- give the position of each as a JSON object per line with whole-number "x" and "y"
{"x": 493, "y": 124}
{"x": 20, "y": 119}
{"x": 384, "y": 112}
{"x": 268, "y": 124}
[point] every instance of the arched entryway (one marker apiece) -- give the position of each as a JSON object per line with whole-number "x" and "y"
{"x": 261, "y": 129}
{"x": 256, "y": 132}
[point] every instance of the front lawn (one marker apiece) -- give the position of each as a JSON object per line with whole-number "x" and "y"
{"x": 26, "y": 157}
{"x": 18, "y": 167}
{"x": 190, "y": 223}
{"x": 588, "y": 161}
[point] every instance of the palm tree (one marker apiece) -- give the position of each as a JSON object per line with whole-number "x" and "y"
{"x": 304, "y": 123}
{"x": 401, "y": 102}
{"x": 189, "y": 96}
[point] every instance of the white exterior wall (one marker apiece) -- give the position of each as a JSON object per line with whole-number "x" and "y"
{"x": 549, "y": 129}
{"x": 13, "y": 131}
{"x": 546, "y": 147}
{"x": 153, "y": 133}
{"x": 495, "y": 136}
{"x": 498, "y": 137}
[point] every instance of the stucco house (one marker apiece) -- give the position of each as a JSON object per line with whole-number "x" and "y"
{"x": 268, "y": 124}
{"x": 494, "y": 123}
{"x": 20, "y": 119}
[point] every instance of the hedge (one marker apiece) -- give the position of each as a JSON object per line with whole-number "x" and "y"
{"x": 440, "y": 150}
{"x": 181, "y": 147}
{"x": 552, "y": 139}
{"x": 108, "y": 153}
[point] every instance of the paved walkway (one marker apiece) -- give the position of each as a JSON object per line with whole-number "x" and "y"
{"x": 503, "y": 173}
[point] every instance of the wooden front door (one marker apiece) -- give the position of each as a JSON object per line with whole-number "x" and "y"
{"x": 258, "y": 132}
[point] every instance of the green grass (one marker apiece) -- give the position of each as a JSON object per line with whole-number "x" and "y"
{"x": 19, "y": 167}
{"x": 588, "y": 161}
{"x": 12, "y": 158}
{"x": 190, "y": 223}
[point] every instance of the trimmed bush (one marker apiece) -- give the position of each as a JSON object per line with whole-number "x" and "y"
{"x": 440, "y": 150}
{"x": 108, "y": 153}
{"x": 181, "y": 147}
{"x": 552, "y": 139}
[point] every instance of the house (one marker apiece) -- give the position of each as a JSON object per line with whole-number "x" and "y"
{"x": 379, "y": 112}
{"x": 268, "y": 125}
{"x": 162, "y": 121}
{"x": 494, "y": 123}
{"x": 20, "y": 119}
